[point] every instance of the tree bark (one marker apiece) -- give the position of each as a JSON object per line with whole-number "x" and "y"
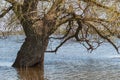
{"x": 32, "y": 51}
{"x": 37, "y": 32}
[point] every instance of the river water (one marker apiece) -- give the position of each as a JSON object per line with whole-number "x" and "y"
{"x": 71, "y": 62}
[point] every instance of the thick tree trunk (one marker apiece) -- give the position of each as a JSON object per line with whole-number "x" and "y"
{"x": 37, "y": 32}
{"x": 31, "y": 52}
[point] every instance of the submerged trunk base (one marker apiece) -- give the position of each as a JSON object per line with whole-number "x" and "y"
{"x": 31, "y": 53}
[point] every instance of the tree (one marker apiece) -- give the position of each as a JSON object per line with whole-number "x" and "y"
{"x": 88, "y": 21}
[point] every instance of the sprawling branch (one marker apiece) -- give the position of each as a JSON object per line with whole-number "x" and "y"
{"x": 104, "y": 37}
{"x": 58, "y": 14}
{"x": 56, "y": 49}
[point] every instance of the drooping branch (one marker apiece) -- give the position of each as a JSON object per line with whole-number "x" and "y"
{"x": 60, "y": 16}
{"x": 105, "y": 26}
{"x": 104, "y": 37}
{"x": 69, "y": 37}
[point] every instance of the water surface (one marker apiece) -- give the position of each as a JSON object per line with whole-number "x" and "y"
{"x": 72, "y": 62}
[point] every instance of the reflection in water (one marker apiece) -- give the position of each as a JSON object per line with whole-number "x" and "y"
{"x": 71, "y": 62}
{"x": 31, "y": 73}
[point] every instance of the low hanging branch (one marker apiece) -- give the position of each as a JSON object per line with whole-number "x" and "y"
{"x": 60, "y": 15}
{"x": 76, "y": 36}
{"x": 56, "y": 49}
{"x": 70, "y": 24}
{"x": 104, "y": 37}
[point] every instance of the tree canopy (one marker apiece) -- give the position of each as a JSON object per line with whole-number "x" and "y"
{"x": 90, "y": 22}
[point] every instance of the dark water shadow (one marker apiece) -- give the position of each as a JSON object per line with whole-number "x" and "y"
{"x": 30, "y": 73}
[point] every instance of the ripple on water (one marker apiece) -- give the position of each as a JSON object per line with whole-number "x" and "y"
{"x": 72, "y": 62}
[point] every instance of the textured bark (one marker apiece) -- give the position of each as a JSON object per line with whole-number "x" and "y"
{"x": 37, "y": 30}
{"x": 32, "y": 51}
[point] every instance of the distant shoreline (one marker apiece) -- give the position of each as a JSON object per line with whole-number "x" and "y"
{"x": 8, "y": 33}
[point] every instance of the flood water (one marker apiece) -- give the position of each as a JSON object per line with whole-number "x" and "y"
{"x": 72, "y": 62}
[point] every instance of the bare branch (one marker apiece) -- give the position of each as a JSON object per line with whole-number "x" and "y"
{"x": 55, "y": 5}
{"x": 104, "y": 37}
{"x": 5, "y": 12}
{"x": 67, "y": 32}
{"x": 56, "y": 49}
{"x": 102, "y": 6}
